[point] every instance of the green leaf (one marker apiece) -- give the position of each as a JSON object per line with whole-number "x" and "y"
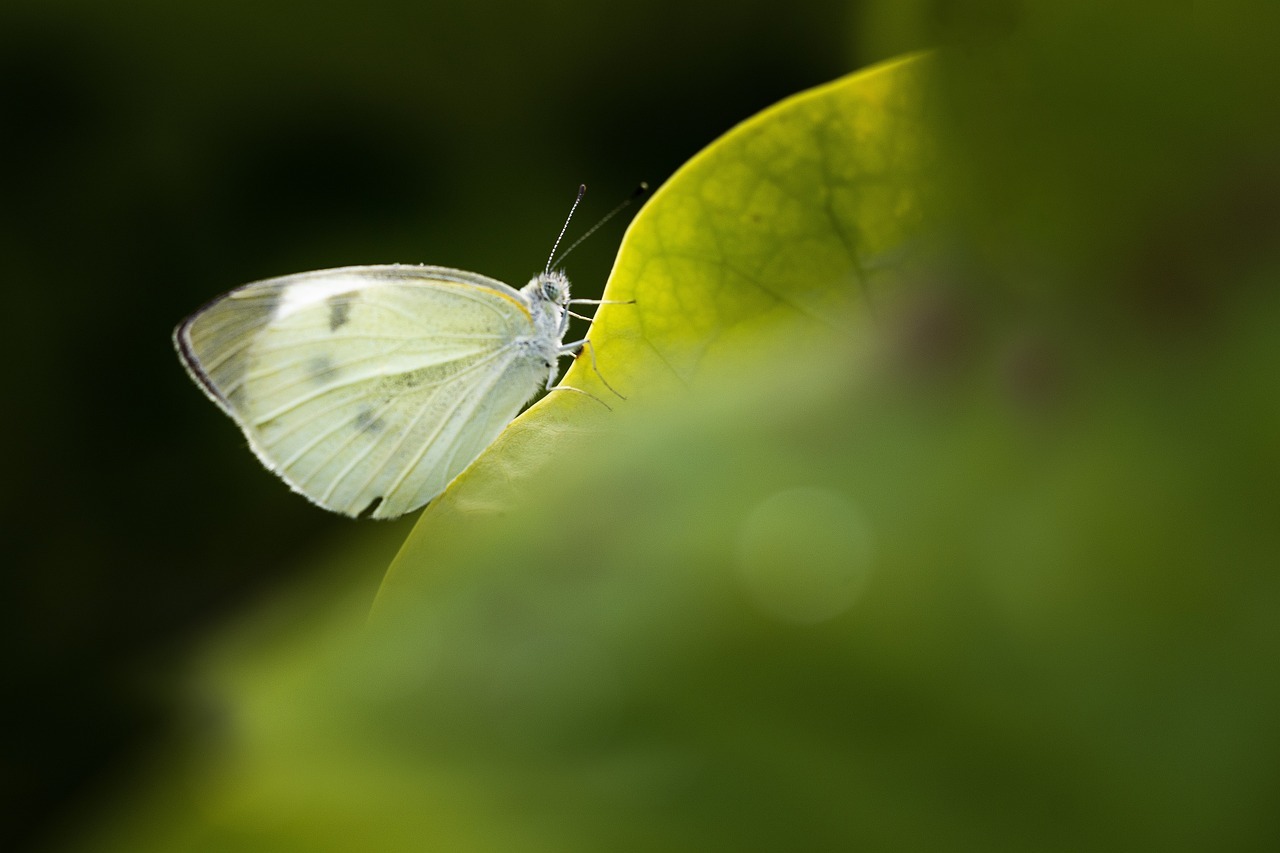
{"x": 794, "y": 219}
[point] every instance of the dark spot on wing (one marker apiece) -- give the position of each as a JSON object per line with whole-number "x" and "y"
{"x": 414, "y": 378}
{"x": 340, "y": 309}
{"x": 366, "y": 422}
{"x": 371, "y": 508}
{"x": 321, "y": 369}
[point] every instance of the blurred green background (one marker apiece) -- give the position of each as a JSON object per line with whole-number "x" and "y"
{"x": 159, "y": 153}
{"x": 1061, "y": 448}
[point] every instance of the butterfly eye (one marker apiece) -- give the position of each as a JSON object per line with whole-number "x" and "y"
{"x": 551, "y": 290}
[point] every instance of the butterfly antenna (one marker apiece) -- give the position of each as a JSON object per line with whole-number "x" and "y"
{"x": 582, "y": 189}
{"x": 639, "y": 191}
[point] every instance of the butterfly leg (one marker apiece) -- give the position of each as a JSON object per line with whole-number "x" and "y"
{"x": 595, "y": 302}
{"x": 585, "y": 343}
{"x": 568, "y": 348}
{"x": 580, "y": 391}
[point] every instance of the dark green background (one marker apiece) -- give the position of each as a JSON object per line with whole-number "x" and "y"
{"x": 158, "y": 153}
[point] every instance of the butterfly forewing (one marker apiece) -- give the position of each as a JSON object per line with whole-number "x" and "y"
{"x": 367, "y": 388}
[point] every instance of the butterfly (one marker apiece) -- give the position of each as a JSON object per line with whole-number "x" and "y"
{"x": 369, "y": 388}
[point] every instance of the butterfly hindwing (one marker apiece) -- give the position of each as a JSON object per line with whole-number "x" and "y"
{"x": 366, "y": 388}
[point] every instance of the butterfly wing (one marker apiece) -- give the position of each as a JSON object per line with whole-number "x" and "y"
{"x": 366, "y": 388}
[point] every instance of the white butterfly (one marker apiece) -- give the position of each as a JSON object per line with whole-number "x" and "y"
{"x": 368, "y": 389}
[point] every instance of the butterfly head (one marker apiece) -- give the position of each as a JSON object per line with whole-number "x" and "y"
{"x": 551, "y": 288}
